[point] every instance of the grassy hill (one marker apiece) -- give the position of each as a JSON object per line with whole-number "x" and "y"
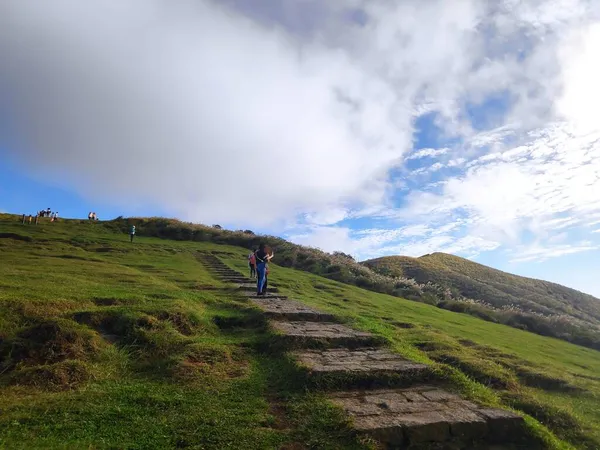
{"x": 499, "y": 289}
{"x": 570, "y": 320}
{"x": 104, "y": 344}
{"x": 539, "y": 306}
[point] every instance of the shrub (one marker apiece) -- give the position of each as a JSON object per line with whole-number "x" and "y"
{"x": 58, "y": 376}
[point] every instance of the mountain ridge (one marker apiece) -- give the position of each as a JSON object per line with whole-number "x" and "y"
{"x": 493, "y": 286}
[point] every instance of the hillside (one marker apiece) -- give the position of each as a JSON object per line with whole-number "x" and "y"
{"x": 497, "y": 288}
{"x": 341, "y": 267}
{"x": 104, "y": 343}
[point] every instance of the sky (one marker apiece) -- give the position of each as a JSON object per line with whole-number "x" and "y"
{"x": 370, "y": 127}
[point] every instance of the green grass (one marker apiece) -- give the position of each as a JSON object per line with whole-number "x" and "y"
{"x": 107, "y": 344}
{"x": 447, "y": 281}
{"x": 487, "y": 362}
{"x": 148, "y": 350}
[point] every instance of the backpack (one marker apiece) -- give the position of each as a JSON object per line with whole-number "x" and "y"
{"x": 252, "y": 258}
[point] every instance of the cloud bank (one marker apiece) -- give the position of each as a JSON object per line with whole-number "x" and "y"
{"x": 301, "y": 115}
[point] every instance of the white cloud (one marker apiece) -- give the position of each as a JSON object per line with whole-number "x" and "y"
{"x": 465, "y": 246}
{"x": 326, "y": 217}
{"x": 557, "y": 177}
{"x": 328, "y": 239}
{"x": 428, "y": 153}
{"x": 542, "y": 253}
{"x": 288, "y": 112}
{"x": 411, "y": 240}
{"x": 580, "y": 102}
{"x": 132, "y": 99}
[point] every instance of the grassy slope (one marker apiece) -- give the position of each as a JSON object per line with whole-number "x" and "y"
{"x": 341, "y": 267}
{"x": 490, "y": 353}
{"x": 493, "y": 286}
{"x": 151, "y": 383}
{"x": 146, "y": 390}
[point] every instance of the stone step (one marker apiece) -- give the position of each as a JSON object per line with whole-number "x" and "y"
{"x": 403, "y": 417}
{"x": 252, "y": 294}
{"x": 246, "y": 286}
{"x": 280, "y": 309}
{"x": 294, "y": 335}
{"x": 361, "y": 367}
{"x": 236, "y": 280}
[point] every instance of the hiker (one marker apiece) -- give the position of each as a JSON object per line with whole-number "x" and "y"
{"x": 37, "y": 218}
{"x": 29, "y": 219}
{"x": 56, "y": 216}
{"x": 252, "y": 263}
{"x": 90, "y": 216}
{"x": 262, "y": 258}
{"x": 23, "y": 219}
{"x": 132, "y": 232}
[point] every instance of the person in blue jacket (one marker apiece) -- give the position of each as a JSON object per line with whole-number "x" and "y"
{"x": 262, "y": 259}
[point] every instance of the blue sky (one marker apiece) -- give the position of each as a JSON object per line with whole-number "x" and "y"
{"x": 374, "y": 128}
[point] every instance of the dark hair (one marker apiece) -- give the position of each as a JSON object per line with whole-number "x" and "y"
{"x": 261, "y": 247}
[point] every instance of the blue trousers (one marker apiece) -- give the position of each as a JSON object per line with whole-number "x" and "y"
{"x": 261, "y": 276}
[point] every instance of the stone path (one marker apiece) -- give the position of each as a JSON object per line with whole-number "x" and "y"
{"x": 298, "y": 334}
{"x": 360, "y": 360}
{"x": 407, "y": 413}
{"x": 280, "y": 309}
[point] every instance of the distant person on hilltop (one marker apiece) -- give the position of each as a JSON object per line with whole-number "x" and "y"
{"x": 262, "y": 258}
{"x": 132, "y": 232}
{"x": 252, "y": 263}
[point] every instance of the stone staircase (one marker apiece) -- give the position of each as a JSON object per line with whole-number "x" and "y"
{"x": 388, "y": 397}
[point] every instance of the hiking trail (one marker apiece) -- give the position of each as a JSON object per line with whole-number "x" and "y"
{"x": 396, "y": 401}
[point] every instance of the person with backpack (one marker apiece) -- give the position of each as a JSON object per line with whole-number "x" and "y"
{"x": 252, "y": 263}
{"x": 132, "y": 232}
{"x": 262, "y": 259}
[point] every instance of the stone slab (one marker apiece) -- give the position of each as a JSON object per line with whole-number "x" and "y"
{"x": 279, "y": 309}
{"x": 356, "y": 361}
{"x": 425, "y": 414}
{"x": 236, "y": 279}
{"x": 307, "y": 334}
